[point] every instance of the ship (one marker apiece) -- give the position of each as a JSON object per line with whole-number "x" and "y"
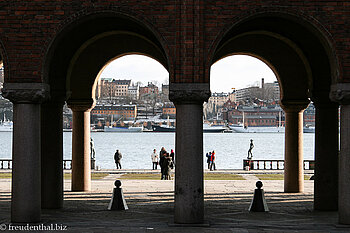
{"x": 242, "y": 128}
{"x": 206, "y": 128}
{"x": 256, "y": 129}
{"x": 130, "y": 129}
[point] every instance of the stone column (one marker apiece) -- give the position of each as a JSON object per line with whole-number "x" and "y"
{"x": 52, "y": 155}
{"x": 81, "y": 168}
{"x": 293, "y": 153}
{"x": 341, "y": 92}
{"x": 326, "y": 156}
{"x": 189, "y": 190}
{"x": 26, "y": 186}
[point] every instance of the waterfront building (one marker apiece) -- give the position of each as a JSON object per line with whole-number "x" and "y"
{"x": 169, "y": 110}
{"x": 247, "y": 94}
{"x": 119, "y": 112}
{"x": 149, "y": 92}
{"x": 256, "y": 116}
{"x": 133, "y": 92}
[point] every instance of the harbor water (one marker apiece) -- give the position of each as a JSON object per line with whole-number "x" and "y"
{"x": 136, "y": 148}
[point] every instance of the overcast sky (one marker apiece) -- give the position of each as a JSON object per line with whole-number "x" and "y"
{"x": 237, "y": 71}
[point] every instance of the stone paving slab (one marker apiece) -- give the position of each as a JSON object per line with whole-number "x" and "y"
{"x": 151, "y": 208}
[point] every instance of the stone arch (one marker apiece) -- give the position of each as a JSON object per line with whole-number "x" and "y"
{"x": 302, "y": 54}
{"x": 121, "y": 33}
{"x": 305, "y": 39}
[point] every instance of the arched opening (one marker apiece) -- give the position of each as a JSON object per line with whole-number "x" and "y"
{"x": 130, "y": 93}
{"x": 245, "y": 98}
{"x": 6, "y": 121}
{"x": 72, "y": 68}
{"x": 301, "y": 57}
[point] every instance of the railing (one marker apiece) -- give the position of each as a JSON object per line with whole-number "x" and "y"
{"x": 272, "y": 164}
{"x": 67, "y": 164}
{"x": 5, "y": 162}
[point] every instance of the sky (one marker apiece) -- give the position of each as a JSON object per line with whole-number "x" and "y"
{"x": 238, "y": 71}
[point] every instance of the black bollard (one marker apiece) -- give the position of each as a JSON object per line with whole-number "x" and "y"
{"x": 258, "y": 203}
{"x": 118, "y": 202}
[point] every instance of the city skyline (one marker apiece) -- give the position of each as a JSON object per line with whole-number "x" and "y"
{"x": 139, "y": 68}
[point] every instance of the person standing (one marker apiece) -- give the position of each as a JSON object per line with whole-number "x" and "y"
{"x": 212, "y": 161}
{"x": 172, "y": 155}
{"x": 251, "y": 146}
{"x": 208, "y": 155}
{"x": 117, "y": 157}
{"x": 167, "y": 163}
{"x": 154, "y": 157}
{"x": 162, "y": 155}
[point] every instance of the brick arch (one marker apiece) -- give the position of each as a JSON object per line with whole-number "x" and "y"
{"x": 128, "y": 21}
{"x": 313, "y": 40}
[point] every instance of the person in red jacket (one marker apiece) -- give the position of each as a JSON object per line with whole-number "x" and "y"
{"x": 212, "y": 161}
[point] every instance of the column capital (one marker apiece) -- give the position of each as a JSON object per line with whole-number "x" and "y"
{"x": 321, "y": 99}
{"x": 81, "y": 105}
{"x": 189, "y": 93}
{"x": 294, "y": 105}
{"x": 340, "y": 92}
{"x": 19, "y": 93}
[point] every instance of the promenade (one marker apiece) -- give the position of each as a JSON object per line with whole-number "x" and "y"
{"x": 151, "y": 207}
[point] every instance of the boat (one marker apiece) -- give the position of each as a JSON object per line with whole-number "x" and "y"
{"x": 163, "y": 128}
{"x": 206, "y": 128}
{"x": 242, "y": 128}
{"x": 309, "y": 129}
{"x": 213, "y": 128}
{"x": 130, "y": 129}
{"x": 6, "y": 125}
{"x": 256, "y": 129}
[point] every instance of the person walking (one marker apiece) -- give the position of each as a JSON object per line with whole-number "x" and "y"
{"x": 212, "y": 161}
{"x": 251, "y": 146}
{"x": 117, "y": 157}
{"x": 154, "y": 157}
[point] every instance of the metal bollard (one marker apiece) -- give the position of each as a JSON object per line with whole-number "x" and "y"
{"x": 118, "y": 201}
{"x": 258, "y": 203}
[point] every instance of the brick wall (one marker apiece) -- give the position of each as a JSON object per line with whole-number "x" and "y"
{"x": 189, "y": 30}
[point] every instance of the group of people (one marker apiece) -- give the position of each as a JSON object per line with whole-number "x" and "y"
{"x": 165, "y": 161}
{"x": 211, "y": 160}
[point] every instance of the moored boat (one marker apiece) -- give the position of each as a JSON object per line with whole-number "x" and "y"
{"x": 130, "y": 129}
{"x": 257, "y": 129}
{"x": 206, "y": 128}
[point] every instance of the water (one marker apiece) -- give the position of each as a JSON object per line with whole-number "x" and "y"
{"x": 230, "y": 148}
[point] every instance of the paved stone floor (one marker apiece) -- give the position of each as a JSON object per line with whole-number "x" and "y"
{"x": 151, "y": 208}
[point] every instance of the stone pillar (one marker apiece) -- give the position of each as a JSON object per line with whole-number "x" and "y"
{"x": 189, "y": 190}
{"x": 81, "y": 168}
{"x": 326, "y": 156}
{"x": 293, "y": 154}
{"x": 52, "y": 155}
{"x": 26, "y": 186}
{"x": 341, "y": 93}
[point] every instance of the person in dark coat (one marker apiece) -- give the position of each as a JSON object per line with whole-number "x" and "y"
{"x": 208, "y": 155}
{"x": 162, "y": 155}
{"x": 117, "y": 157}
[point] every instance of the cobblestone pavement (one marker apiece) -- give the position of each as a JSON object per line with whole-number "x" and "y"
{"x": 151, "y": 208}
